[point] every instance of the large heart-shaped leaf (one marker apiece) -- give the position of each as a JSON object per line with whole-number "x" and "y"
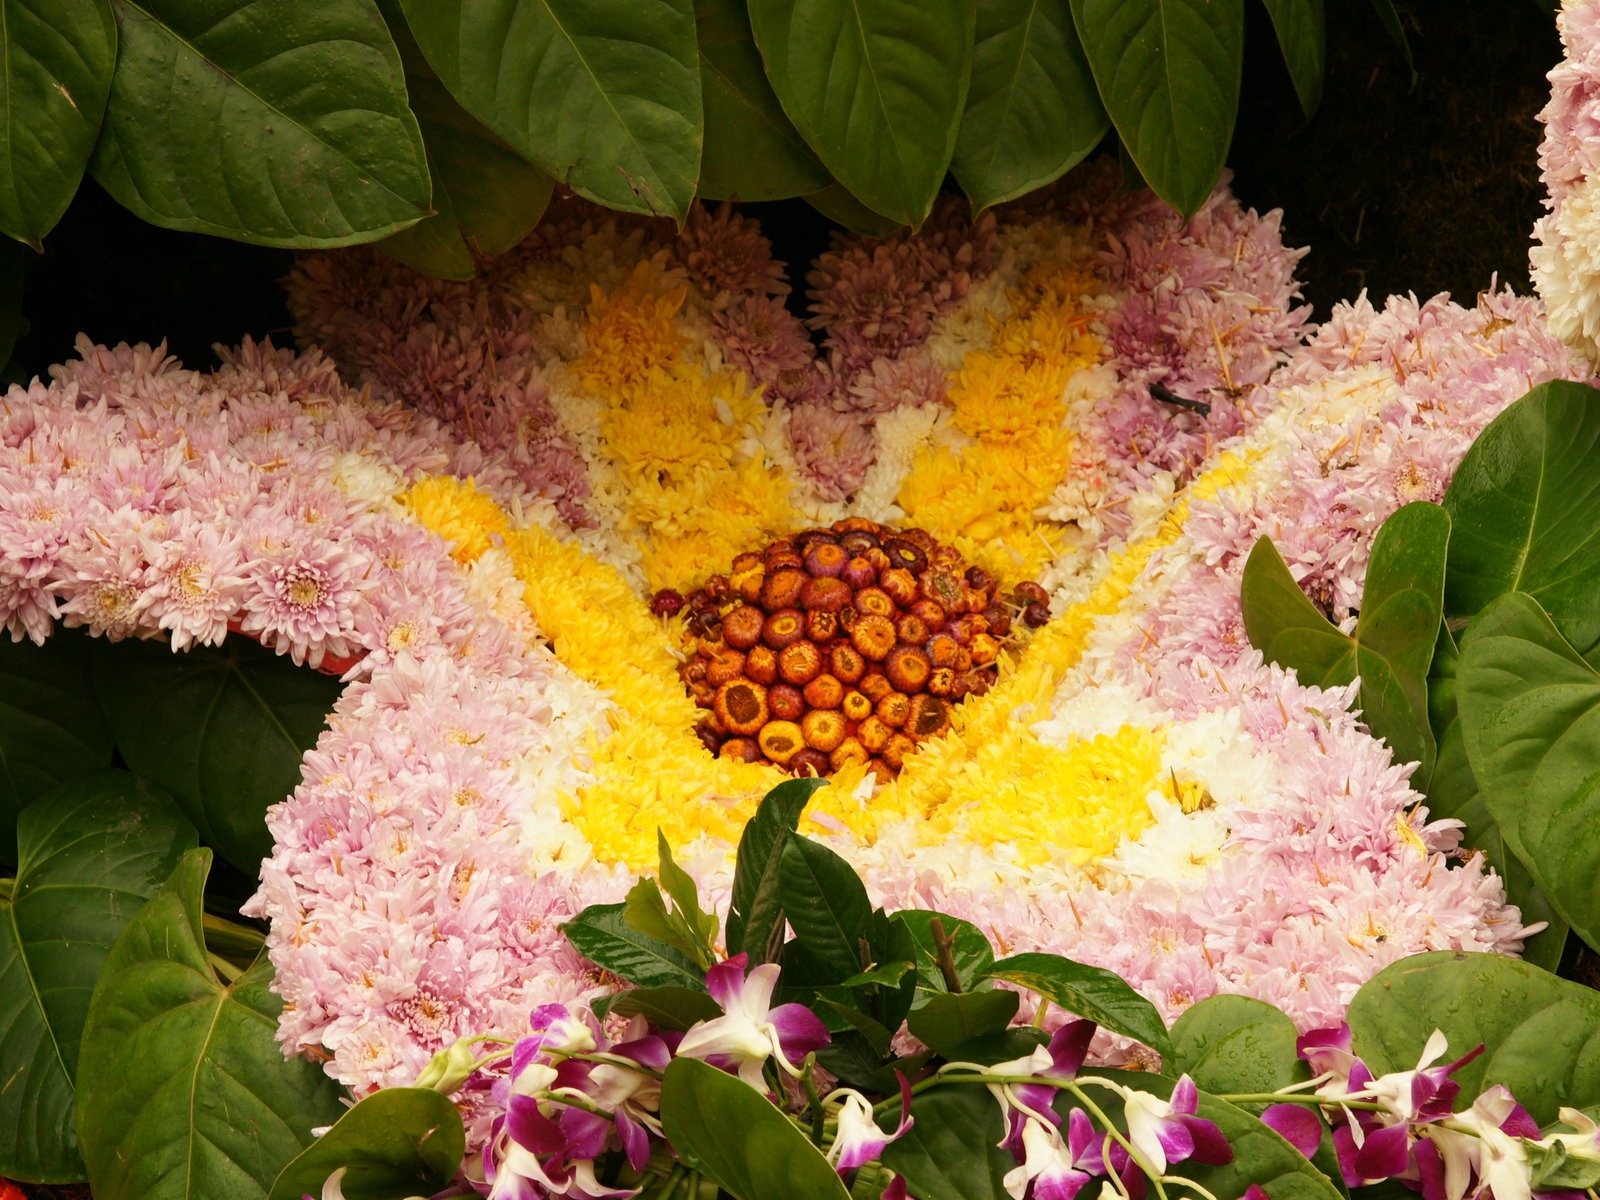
{"x": 1530, "y": 714}
{"x": 1168, "y": 73}
{"x": 1236, "y": 1044}
{"x": 1032, "y": 111}
{"x": 1526, "y": 504}
{"x": 399, "y": 1141}
{"x": 55, "y": 71}
{"x": 222, "y": 728}
{"x": 281, "y": 122}
{"x": 728, "y": 1131}
{"x": 93, "y": 851}
{"x": 876, "y": 87}
{"x": 603, "y": 94}
{"x": 752, "y": 150}
{"x": 190, "y": 1095}
{"x": 486, "y": 196}
{"x": 1094, "y": 992}
{"x": 1303, "y": 38}
{"x": 1394, "y": 638}
{"x": 51, "y": 726}
{"x": 1541, "y": 1033}
{"x": 754, "y": 908}
{"x": 952, "y": 1151}
{"x": 837, "y": 204}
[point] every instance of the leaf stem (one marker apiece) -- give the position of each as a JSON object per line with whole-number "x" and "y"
{"x": 942, "y": 943}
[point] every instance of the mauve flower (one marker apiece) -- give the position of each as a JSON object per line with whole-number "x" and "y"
{"x": 1053, "y": 1167}
{"x": 1167, "y": 1131}
{"x": 751, "y": 1031}
{"x": 858, "y": 1139}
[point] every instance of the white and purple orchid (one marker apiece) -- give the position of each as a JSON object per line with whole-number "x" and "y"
{"x": 751, "y": 1031}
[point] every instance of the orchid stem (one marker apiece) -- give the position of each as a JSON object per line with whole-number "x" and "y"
{"x": 942, "y": 943}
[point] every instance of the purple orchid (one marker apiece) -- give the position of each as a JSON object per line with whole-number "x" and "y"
{"x": 1057, "y": 1168}
{"x": 859, "y": 1140}
{"x": 1297, "y": 1124}
{"x": 1059, "y": 1060}
{"x": 1167, "y": 1131}
{"x": 632, "y": 1097}
{"x": 750, "y": 1030}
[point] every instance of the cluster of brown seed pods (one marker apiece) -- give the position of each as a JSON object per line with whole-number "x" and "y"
{"x": 846, "y": 644}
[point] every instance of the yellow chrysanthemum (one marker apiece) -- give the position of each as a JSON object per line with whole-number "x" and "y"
{"x": 631, "y": 332}
{"x": 458, "y": 512}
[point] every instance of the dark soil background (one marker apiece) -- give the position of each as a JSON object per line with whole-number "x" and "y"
{"x": 1395, "y": 186}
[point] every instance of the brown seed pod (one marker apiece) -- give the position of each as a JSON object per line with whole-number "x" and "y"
{"x": 809, "y": 764}
{"x": 943, "y": 650}
{"x": 825, "y": 691}
{"x": 808, "y": 538}
{"x": 967, "y": 627}
{"x": 874, "y": 601}
{"x": 850, "y": 751}
{"x": 875, "y": 685}
{"x": 930, "y": 612}
{"x": 942, "y": 681}
{"x": 741, "y": 628}
{"x": 786, "y": 702}
{"x": 666, "y": 603}
{"x": 858, "y": 541}
{"x": 824, "y": 560}
{"x": 761, "y": 664}
{"x": 708, "y": 733}
{"x": 747, "y": 576}
{"x": 879, "y": 560}
{"x": 855, "y": 525}
{"x": 901, "y": 585}
{"x": 911, "y": 629}
{"x": 783, "y": 628}
{"x": 740, "y": 749}
{"x": 894, "y": 710}
{"x": 723, "y": 666}
{"x": 974, "y": 683}
{"x": 822, "y": 627}
{"x": 781, "y": 588}
{"x": 873, "y": 635}
{"x": 781, "y": 741}
{"x": 880, "y": 770}
{"x": 930, "y": 717}
{"x": 998, "y": 617}
{"x": 694, "y": 671}
{"x": 872, "y": 734}
{"x": 707, "y": 624}
{"x": 1035, "y": 615}
{"x": 717, "y": 588}
{"x": 984, "y": 650}
{"x": 824, "y": 594}
{"x": 855, "y": 706}
{"x": 783, "y": 558}
{"x": 859, "y": 573}
{"x": 800, "y": 663}
{"x": 979, "y": 579}
{"x": 823, "y": 729}
{"x": 896, "y": 748}
{"x": 923, "y": 540}
{"x": 908, "y": 667}
{"x": 902, "y": 552}
{"x": 741, "y": 707}
{"x": 845, "y": 661}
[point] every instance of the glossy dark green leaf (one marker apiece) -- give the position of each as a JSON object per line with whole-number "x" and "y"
{"x": 952, "y": 1151}
{"x": 399, "y": 1141}
{"x": 1526, "y": 505}
{"x": 190, "y": 1095}
{"x": 947, "y": 1019}
{"x": 755, "y": 915}
{"x": 222, "y": 728}
{"x": 1542, "y": 1033}
{"x": 1235, "y": 1044}
{"x": 680, "y": 886}
{"x": 486, "y": 196}
{"x": 1530, "y": 714}
{"x": 280, "y": 122}
{"x": 970, "y": 951}
{"x": 876, "y": 88}
{"x": 731, "y": 1133}
{"x": 1303, "y": 38}
{"x": 827, "y": 907}
{"x": 56, "y": 58}
{"x": 51, "y": 726}
{"x": 837, "y": 204}
{"x": 1094, "y": 992}
{"x": 604, "y": 95}
{"x": 666, "y": 1007}
{"x": 1286, "y": 627}
{"x": 1168, "y": 73}
{"x": 93, "y": 851}
{"x": 1032, "y": 111}
{"x": 752, "y": 150}
{"x": 602, "y": 935}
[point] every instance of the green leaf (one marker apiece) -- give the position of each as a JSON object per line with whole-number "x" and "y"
{"x": 1394, "y": 639}
{"x": 602, "y": 935}
{"x": 1530, "y": 714}
{"x": 280, "y": 122}
{"x": 487, "y": 197}
{"x": 1168, "y": 73}
{"x": 876, "y": 87}
{"x": 190, "y": 1095}
{"x": 1303, "y": 37}
{"x": 57, "y": 56}
{"x": 1236, "y": 1044}
{"x": 952, "y": 1151}
{"x": 827, "y": 907}
{"x": 1526, "y": 506}
{"x": 399, "y": 1141}
{"x": 755, "y": 916}
{"x": 666, "y": 1007}
{"x": 970, "y": 950}
{"x": 1542, "y": 1033}
{"x": 1102, "y": 996}
{"x": 752, "y": 151}
{"x": 1032, "y": 111}
{"x": 93, "y": 851}
{"x": 604, "y": 95}
{"x": 946, "y": 1019}
{"x": 51, "y": 726}
{"x": 222, "y": 728}
{"x": 731, "y": 1133}
{"x": 1389, "y": 18}
{"x": 677, "y": 883}
{"x": 837, "y": 204}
